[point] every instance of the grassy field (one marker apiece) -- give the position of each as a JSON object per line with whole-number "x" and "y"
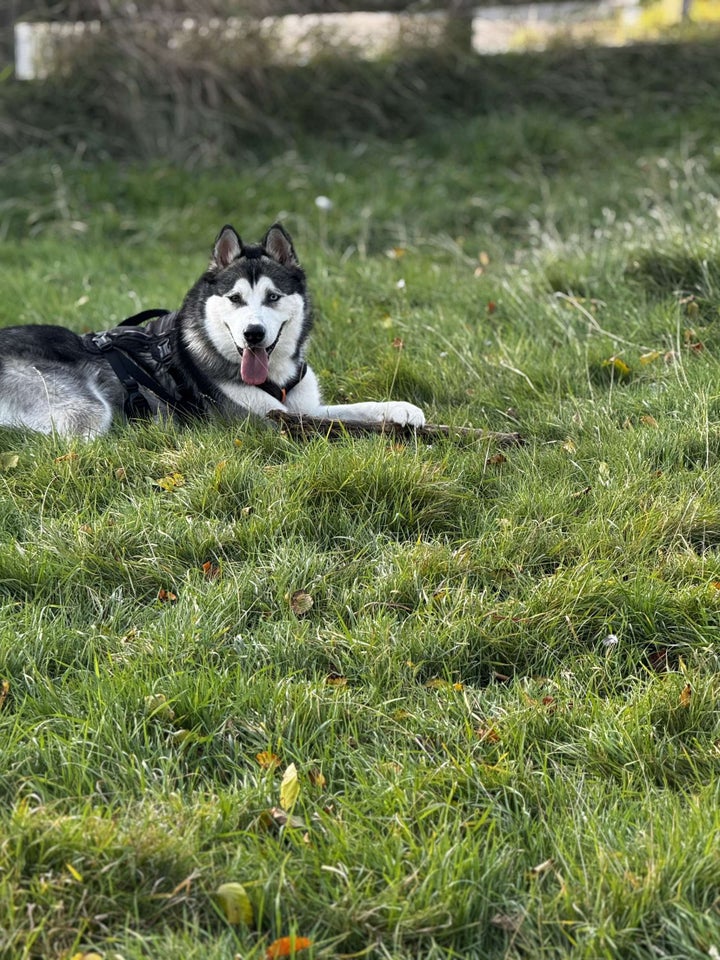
{"x": 502, "y": 704}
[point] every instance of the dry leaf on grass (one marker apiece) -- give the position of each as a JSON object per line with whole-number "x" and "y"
{"x": 277, "y": 817}
{"x": 289, "y": 788}
{"x": 211, "y": 570}
{"x": 487, "y": 734}
{"x": 511, "y": 923}
{"x": 300, "y": 602}
{"x": 170, "y": 482}
{"x": 336, "y": 680}
{"x": 286, "y": 947}
{"x": 235, "y": 903}
{"x": 268, "y": 760}
{"x": 618, "y": 366}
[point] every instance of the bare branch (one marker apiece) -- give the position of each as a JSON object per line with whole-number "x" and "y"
{"x": 303, "y": 427}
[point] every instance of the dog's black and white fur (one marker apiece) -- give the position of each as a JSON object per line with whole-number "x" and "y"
{"x": 237, "y": 347}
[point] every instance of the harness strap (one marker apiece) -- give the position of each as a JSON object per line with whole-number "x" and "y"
{"x": 138, "y": 318}
{"x": 131, "y": 375}
{"x": 280, "y": 393}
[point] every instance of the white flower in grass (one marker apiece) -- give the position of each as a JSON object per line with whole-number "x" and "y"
{"x": 323, "y": 203}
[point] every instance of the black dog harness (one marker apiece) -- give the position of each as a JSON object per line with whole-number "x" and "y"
{"x": 142, "y": 358}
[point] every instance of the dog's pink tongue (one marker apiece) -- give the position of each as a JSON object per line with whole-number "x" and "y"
{"x": 254, "y": 366}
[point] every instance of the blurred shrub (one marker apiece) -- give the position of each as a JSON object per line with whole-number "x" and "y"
{"x": 172, "y": 84}
{"x": 144, "y": 88}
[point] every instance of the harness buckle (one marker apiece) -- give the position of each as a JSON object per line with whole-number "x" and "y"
{"x": 136, "y": 406}
{"x": 103, "y": 341}
{"x": 162, "y": 350}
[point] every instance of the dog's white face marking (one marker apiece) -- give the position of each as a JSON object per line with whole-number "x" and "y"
{"x": 254, "y": 316}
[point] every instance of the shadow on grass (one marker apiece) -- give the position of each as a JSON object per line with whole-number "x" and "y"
{"x": 676, "y": 271}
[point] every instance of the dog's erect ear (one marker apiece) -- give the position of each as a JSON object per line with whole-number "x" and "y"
{"x": 228, "y": 247}
{"x": 279, "y": 246}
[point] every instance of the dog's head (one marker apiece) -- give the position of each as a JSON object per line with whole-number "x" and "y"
{"x": 258, "y": 304}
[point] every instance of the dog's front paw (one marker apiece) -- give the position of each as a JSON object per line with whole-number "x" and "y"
{"x": 404, "y": 414}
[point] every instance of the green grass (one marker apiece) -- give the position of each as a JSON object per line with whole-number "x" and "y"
{"x": 488, "y": 703}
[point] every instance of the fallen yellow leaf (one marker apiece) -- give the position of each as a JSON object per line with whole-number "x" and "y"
{"x": 289, "y": 789}
{"x": 267, "y": 760}
{"x": 336, "y": 680}
{"x": 170, "y": 482}
{"x": 235, "y": 903}
{"x": 618, "y": 365}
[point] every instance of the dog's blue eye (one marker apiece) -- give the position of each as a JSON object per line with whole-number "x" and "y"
{"x": 236, "y": 299}
{"x": 272, "y": 297}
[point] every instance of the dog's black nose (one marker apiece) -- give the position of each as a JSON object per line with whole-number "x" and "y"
{"x": 254, "y": 334}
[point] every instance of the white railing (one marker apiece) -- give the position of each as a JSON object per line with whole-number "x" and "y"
{"x": 297, "y": 37}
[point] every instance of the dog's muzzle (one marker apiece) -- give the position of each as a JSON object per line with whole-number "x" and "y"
{"x": 254, "y": 334}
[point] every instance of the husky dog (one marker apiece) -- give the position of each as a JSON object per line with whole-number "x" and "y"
{"x": 235, "y": 347}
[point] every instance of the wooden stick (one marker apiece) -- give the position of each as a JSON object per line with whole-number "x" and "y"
{"x": 302, "y": 428}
